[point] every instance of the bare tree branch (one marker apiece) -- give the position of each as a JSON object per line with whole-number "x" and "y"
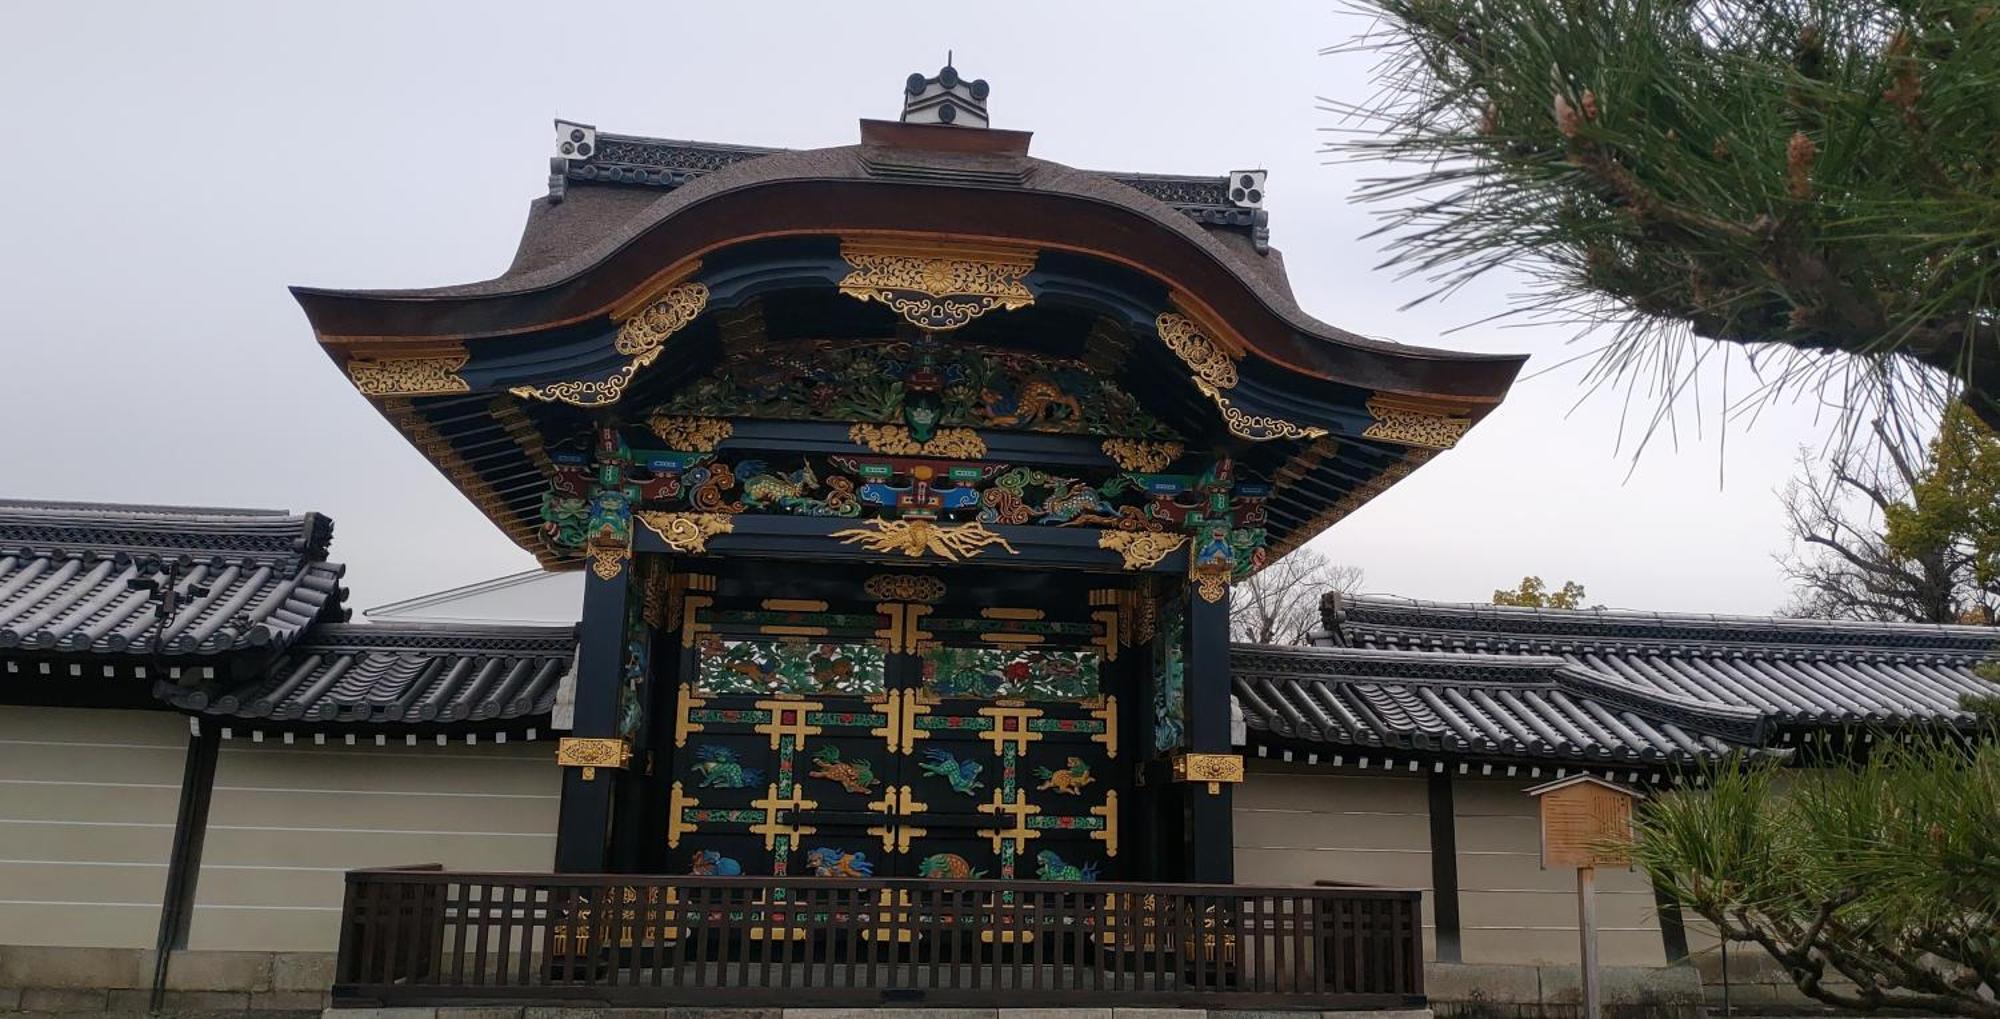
{"x": 1280, "y": 604}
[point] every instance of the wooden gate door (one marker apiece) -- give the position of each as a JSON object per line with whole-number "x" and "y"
{"x": 1013, "y": 750}
{"x": 898, "y": 738}
{"x": 783, "y": 759}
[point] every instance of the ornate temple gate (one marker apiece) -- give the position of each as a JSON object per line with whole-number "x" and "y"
{"x": 910, "y": 479}
{"x": 891, "y": 728}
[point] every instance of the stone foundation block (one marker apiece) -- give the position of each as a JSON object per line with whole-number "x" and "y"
{"x": 296, "y": 1001}
{"x": 246, "y": 972}
{"x": 302, "y": 971}
{"x": 64, "y": 999}
{"x": 34, "y": 966}
{"x": 481, "y": 1012}
{"x": 1624, "y": 985}
{"x": 1473, "y": 983}
{"x": 1055, "y": 1013}
{"x": 386, "y": 1013}
{"x": 557, "y": 1012}
{"x": 900, "y": 1013}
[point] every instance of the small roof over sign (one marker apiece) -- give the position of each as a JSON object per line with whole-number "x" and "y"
{"x": 1565, "y": 783}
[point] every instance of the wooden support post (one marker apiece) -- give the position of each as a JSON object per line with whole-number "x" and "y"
{"x": 184, "y": 859}
{"x": 1210, "y": 830}
{"x": 584, "y": 821}
{"x": 1586, "y": 931}
{"x": 1444, "y": 868}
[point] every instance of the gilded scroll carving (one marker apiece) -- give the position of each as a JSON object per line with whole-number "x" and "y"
{"x": 1142, "y": 455}
{"x": 690, "y": 434}
{"x": 915, "y": 538}
{"x": 1413, "y": 424}
{"x": 898, "y": 440}
{"x": 1215, "y": 373}
{"x": 1141, "y": 550}
{"x": 938, "y": 289}
{"x": 686, "y": 533}
{"x": 640, "y": 338}
{"x": 903, "y": 587}
{"x": 409, "y": 376}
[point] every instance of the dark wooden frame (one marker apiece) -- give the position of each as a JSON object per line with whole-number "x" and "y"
{"x": 425, "y": 937}
{"x": 184, "y": 859}
{"x": 1444, "y": 868}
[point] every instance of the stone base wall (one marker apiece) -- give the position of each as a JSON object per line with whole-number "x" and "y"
{"x": 1476, "y": 991}
{"x": 1757, "y": 985}
{"x": 118, "y": 982}
{"x": 108, "y": 981}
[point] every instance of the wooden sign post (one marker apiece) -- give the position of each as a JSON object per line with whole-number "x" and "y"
{"x": 1586, "y": 823}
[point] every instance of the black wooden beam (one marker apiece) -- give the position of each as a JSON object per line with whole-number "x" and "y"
{"x": 584, "y": 821}
{"x": 812, "y": 538}
{"x": 184, "y": 858}
{"x": 1444, "y": 868}
{"x": 1673, "y": 929}
{"x": 1210, "y": 831}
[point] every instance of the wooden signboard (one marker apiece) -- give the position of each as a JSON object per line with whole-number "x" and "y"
{"x": 1586, "y": 823}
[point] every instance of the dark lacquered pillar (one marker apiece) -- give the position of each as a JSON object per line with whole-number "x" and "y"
{"x": 1210, "y": 828}
{"x": 583, "y": 826}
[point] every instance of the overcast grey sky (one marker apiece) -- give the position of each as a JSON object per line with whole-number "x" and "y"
{"x": 170, "y": 168}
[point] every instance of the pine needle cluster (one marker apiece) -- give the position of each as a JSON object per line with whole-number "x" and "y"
{"x": 1817, "y": 180}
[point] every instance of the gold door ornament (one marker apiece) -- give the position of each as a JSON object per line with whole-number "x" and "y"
{"x": 940, "y": 287}
{"x": 592, "y": 753}
{"x": 904, "y": 587}
{"x": 1212, "y": 769}
{"x": 898, "y": 804}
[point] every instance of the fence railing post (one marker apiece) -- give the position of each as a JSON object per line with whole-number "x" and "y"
{"x": 668, "y": 940}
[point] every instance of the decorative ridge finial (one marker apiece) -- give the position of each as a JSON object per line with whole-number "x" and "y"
{"x": 946, "y": 99}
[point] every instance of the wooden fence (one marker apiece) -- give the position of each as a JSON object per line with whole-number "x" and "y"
{"x": 423, "y": 936}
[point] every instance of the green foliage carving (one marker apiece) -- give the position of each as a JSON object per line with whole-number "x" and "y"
{"x": 1170, "y": 681}
{"x": 788, "y": 666}
{"x": 923, "y": 385}
{"x": 1030, "y": 674}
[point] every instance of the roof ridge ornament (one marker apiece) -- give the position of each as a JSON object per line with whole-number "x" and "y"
{"x": 947, "y": 99}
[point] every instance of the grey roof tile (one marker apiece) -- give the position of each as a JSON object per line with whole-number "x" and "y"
{"x": 397, "y": 675}
{"x": 73, "y": 578}
{"x": 1793, "y": 671}
{"x": 1537, "y": 707}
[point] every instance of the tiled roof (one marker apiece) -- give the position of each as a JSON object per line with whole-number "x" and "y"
{"x": 1795, "y": 671}
{"x": 389, "y": 674}
{"x": 1535, "y": 707}
{"x": 74, "y": 578}
{"x": 669, "y": 163}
